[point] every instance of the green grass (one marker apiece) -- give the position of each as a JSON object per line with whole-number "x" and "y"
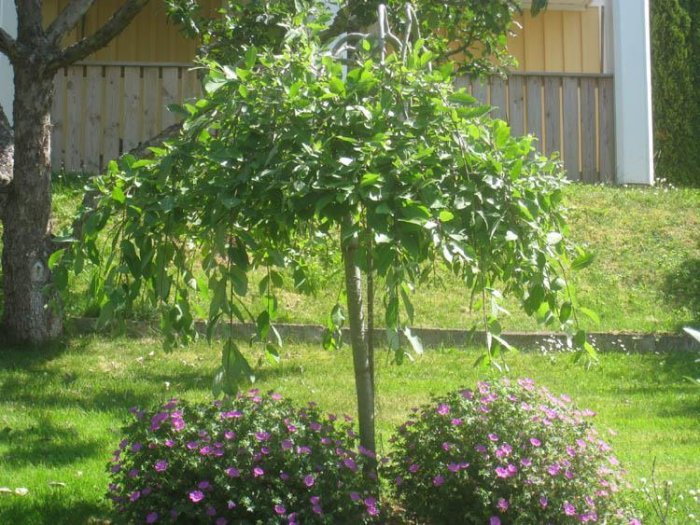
{"x": 61, "y": 409}
{"x": 644, "y": 278}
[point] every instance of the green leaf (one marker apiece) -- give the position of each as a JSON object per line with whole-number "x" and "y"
{"x": 462, "y": 97}
{"x": 565, "y": 312}
{"x": 582, "y": 261}
{"x": 446, "y": 216}
{"x": 592, "y": 315}
{"x": 118, "y": 195}
{"x": 392, "y": 339}
{"x": 55, "y": 258}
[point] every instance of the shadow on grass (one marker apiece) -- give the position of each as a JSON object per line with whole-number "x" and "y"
{"x": 58, "y": 510}
{"x": 682, "y": 288}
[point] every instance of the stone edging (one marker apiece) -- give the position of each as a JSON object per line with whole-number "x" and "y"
{"x": 440, "y": 337}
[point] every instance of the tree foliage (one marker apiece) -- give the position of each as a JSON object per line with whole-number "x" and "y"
{"x": 378, "y": 153}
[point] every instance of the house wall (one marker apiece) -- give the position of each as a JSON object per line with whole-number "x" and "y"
{"x": 149, "y": 38}
{"x": 8, "y": 21}
{"x": 558, "y": 41}
{"x": 554, "y": 41}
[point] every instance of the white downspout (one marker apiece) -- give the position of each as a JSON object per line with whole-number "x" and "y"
{"x": 633, "y": 110}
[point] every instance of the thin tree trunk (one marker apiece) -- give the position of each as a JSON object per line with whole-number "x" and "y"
{"x": 358, "y": 339}
{"x": 30, "y": 305}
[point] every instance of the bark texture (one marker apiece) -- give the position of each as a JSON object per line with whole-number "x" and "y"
{"x": 31, "y": 309}
{"x": 358, "y": 339}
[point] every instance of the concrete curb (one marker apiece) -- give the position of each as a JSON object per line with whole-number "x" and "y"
{"x": 434, "y": 337}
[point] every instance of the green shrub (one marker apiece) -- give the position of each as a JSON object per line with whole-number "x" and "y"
{"x": 506, "y": 453}
{"x": 675, "y": 102}
{"x": 253, "y": 459}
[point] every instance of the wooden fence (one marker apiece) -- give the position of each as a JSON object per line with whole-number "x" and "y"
{"x": 103, "y": 110}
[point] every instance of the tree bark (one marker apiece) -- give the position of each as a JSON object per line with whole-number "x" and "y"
{"x": 6, "y": 159}
{"x": 30, "y": 305}
{"x": 358, "y": 339}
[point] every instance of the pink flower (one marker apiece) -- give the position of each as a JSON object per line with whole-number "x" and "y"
{"x": 413, "y": 468}
{"x": 152, "y": 517}
{"x": 233, "y": 472}
{"x": 569, "y": 509}
{"x": 535, "y": 442}
{"x": 279, "y": 509}
{"x": 526, "y": 462}
{"x": 350, "y": 464}
{"x": 161, "y": 465}
{"x": 196, "y": 496}
{"x": 493, "y": 437}
{"x": 262, "y": 436}
{"x": 503, "y": 504}
{"x": 495, "y": 520}
{"x": 439, "y": 480}
{"x": 456, "y": 421}
{"x": 276, "y": 396}
{"x": 229, "y": 435}
{"x": 443, "y": 409}
{"x": 543, "y": 502}
{"x": 553, "y": 469}
{"x": 309, "y": 480}
{"x": 258, "y": 472}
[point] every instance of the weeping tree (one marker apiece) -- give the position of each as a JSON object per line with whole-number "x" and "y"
{"x": 366, "y": 144}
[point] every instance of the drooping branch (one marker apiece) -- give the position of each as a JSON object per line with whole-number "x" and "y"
{"x": 8, "y": 45}
{"x": 67, "y": 19}
{"x": 100, "y": 38}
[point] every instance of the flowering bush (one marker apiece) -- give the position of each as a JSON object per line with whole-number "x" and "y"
{"x": 252, "y": 459}
{"x": 506, "y": 453}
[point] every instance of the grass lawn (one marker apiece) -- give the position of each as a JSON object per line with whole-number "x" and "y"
{"x": 61, "y": 409}
{"x": 644, "y": 278}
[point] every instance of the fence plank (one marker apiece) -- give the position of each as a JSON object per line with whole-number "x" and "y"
{"x": 170, "y": 94}
{"x": 151, "y": 103}
{"x": 58, "y": 121}
{"x": 480, "y": 90}
{"x": 516, "y": 109}
{"x": 606, "y": 138}
{"x": 534, "y": 110}
{"x": 589, "y": 168}
{"x": 571, "y": 127}
{"x": 552, "y": 115}
{"x": 74, "y": 118}
{"x": 93, "y": 121}
{"x": 499, "y": 98}
{"x": 111, "y": 130}
{"x": 191, "y": 87}
{"x": 132, "y": 108}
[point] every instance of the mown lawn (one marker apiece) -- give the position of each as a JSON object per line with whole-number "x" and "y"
{"x": 61, "y": 409}
{"x": 644, "y": 277}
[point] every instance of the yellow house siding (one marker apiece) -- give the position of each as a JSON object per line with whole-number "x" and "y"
{"x": 149, "y": 38}
{"x": 558, "y": 41}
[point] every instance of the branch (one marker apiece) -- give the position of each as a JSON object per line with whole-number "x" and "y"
{"x": 100, "y": 38}
{"x": 8, "y": 45}
{"x": 67, "y": 19}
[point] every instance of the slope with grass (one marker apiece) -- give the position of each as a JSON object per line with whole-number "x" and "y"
{"x": 61, "y": 409}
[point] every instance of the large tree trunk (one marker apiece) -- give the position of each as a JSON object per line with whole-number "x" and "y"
{"x": 30, "y": 304}
{"x": 364, "y": 384}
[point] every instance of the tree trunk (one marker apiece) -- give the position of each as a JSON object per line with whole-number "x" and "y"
{"x": 358, "y": 339}
{"x": 30, "y": 305}
{"x": 6, "y": 159}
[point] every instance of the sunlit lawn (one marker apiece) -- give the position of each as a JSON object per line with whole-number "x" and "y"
{"x": 60, "y": 410}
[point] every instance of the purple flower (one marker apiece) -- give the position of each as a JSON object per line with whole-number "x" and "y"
{"x": 161, "y": 465}
{"x": 169, "y": 443}
{"x": 178, "y": 423}
{"x": 287, "y": 444}
{"x": 443, "y": 409}
{"x": 439, "y": 480}
{"x": 152, "y": 517}
{"x": 481, "y": 449}
{"x": 569, "y": 509}
{"x": 456, "y": 421}
{"x": 554, "y": 469}
{"x": 136, "y": 447}
{"x": 502, "y": 472}
{"x": 276, "y": 396}
{"x": 229, "y": 435}
{"x": 350, "y": 464}
{"x": 133, "y": 473}
{"x": 503, "y": 504}
{"x": 134, "y": 496}
{"x": 467, "y": 394}
{"x": 535, "y": 442}
{"x": 196, "y": 496}
{"x": 204, "y": 485}
{"x": 495, "y": 520}
{"x": 526, "y": 462}
{"x": 233, "y": 472}
{"x": 309, "y": 480}
{"x": 493, "y": 437}
{"x": 284, "y": 476}
{"x": 262, "y": 436}
{"x": 221, "y": 521}
{"x": 454, "y": 467}
{"x": 279, "y": 509}
{"x": 413, "y": 468}
{"x": 315, "y": 500}
{"x": 191, "y": 445}
{"x": 355, "y": 496}
{"x": 543, "y": 502}
{"x": 315, "y": 426}
{"x": 258, "y": 472}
